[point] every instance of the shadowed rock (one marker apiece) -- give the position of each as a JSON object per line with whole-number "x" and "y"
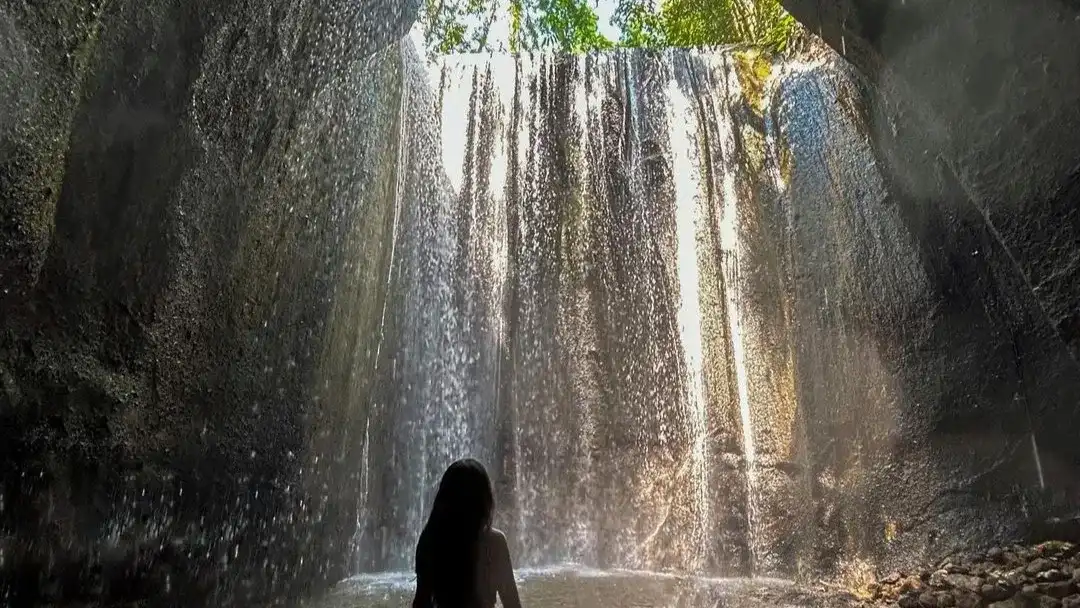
{"x": 172, "y": 233}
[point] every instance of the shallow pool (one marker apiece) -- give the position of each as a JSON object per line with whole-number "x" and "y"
{"x": 579, "y": 587}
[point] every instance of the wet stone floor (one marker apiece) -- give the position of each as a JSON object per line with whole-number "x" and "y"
{"x": 582, "y": 588}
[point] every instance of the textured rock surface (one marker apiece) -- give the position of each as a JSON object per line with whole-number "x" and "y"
{"x": 973, "y": 113}
{"x": 1047, "y": 574}
{"x": 178, "y": 181}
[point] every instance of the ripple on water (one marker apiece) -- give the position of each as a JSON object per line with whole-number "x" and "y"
{"x": 572, "y": 586}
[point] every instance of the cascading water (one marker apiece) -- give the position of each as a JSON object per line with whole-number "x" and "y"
{"x": 686, "y": 203}
{"x": 576, "y": 299}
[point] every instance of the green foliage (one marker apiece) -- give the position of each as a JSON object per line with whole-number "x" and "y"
{"x": 571, "y": 26}
{"x": 455, "y": 26}
{"x": 698, "y": 23}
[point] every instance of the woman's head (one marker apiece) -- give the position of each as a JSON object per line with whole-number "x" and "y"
{"x": 465, "y": 499}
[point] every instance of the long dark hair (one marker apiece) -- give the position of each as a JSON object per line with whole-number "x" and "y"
{"x": 449, "y": 547}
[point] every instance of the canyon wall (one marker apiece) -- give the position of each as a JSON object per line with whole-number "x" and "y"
{"x": 972, "y": 111}
{"x": 179, "y": 181}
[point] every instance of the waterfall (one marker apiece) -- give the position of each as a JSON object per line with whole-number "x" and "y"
{"x": 577, "y": 302}
{"x": 728, "y": 228}
{"x": 687, "y": 199}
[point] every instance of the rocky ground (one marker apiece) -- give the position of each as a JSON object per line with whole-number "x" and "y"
{"x": 1041, "y": 576}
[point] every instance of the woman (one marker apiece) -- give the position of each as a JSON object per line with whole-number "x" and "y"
{"x": 461, "y": 561}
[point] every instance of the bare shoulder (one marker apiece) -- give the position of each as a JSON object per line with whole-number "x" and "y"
{"x": 497, "y": 540}
{"x": 496, "y": 536}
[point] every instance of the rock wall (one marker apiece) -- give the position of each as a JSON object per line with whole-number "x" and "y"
{"x": 972, "y": 111}
{"x": 180, "y": 184}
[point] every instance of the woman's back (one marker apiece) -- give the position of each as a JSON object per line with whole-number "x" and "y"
{"x": 461, "y": 561}
{"x": 491, "y": 572}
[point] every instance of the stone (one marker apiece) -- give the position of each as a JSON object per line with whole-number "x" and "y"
{"x": 874, "y": 590}
{"x": 964, "y": 581}
{"x": 928, "y": 600}
{"x": 995, "y": 554}
{"x": 1058, "y": 589}
{"x": 1056, "y": 549}
{"x": 1014, "y": 578}
{"x": 909, "y": 601}
{"x": 891, "y": 579}
{"x": 945, "y": 599}
{"x": 1037, "y": 565}
{"x": 1071, "y": 601}
{"x": 910, "y": 583}
{"x": 995, "y": 593}
{"x": 938, "y": 579}
{"x": 1052, "y": 576}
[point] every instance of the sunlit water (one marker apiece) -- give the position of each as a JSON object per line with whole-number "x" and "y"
{"x": 578, "y": 587}
{"x": 590, "y": 293}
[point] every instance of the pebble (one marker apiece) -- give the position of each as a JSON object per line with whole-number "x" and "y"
{"x": 1052, "y": 576}
{"x": 1046, "y": 576}
{"x": 1057, "y": 590}
{"x": 963, "y": 581}
{"x": 995, "y": 593}
{"x": 945, "y": 599}
{"x": 1037, "y": 565}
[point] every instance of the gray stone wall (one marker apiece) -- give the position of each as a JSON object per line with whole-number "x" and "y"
{"x": 179, "y": 182}
{"x": 972, "y": 111}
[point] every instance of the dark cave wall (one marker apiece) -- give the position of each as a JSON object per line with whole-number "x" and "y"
{"x": 179, "y": 185}
{"x": 971, "y": 109}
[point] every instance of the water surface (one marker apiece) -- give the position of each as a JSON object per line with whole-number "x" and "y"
{"x": 578, "y": 587}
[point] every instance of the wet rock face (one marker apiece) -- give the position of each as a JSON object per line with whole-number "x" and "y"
{"x": 972, "y": 109}
{"x": 1000, "y": 118}
{"x": 163, "y": 417}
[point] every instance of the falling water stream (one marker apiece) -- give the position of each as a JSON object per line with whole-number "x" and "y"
{"x": 686, "y": 217}
{"x": 576, "y": 300}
